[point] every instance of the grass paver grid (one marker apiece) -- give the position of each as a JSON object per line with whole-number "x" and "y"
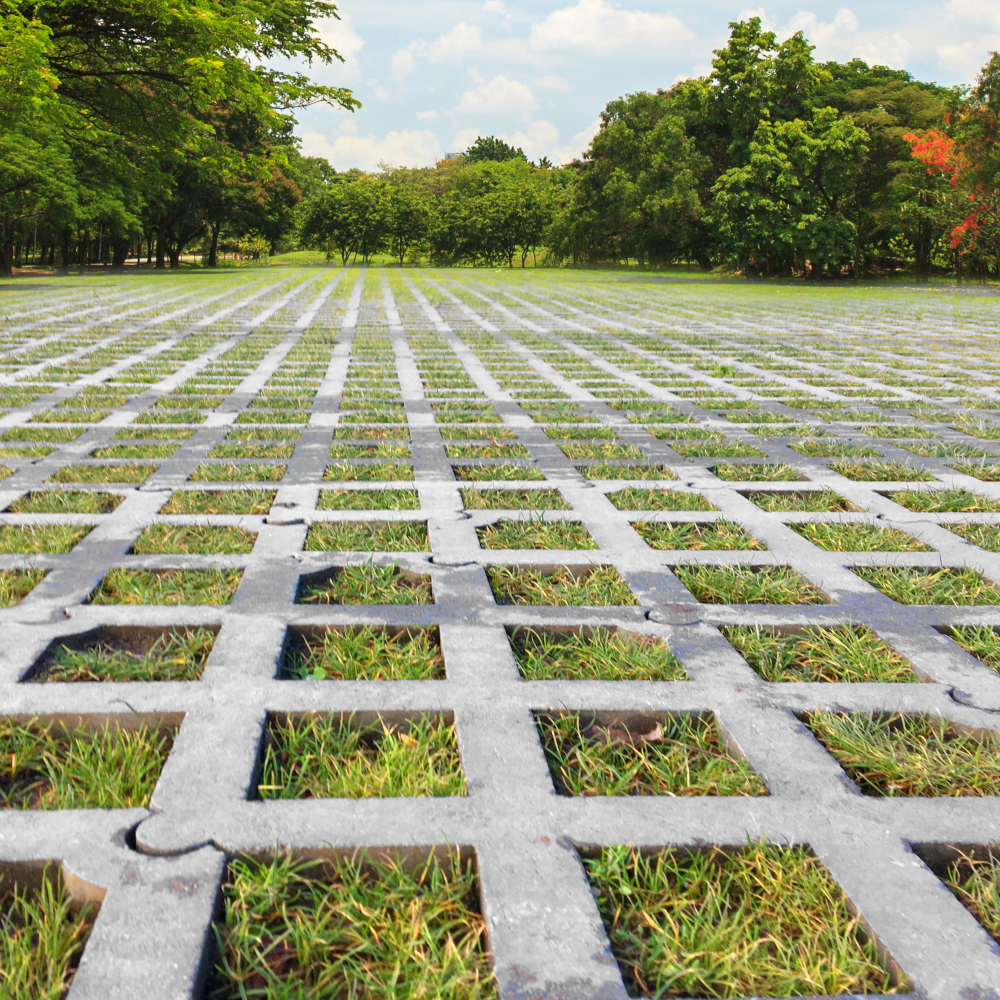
{"x": 427, "y": 649}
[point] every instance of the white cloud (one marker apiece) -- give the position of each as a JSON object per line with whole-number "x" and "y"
{"x": 346, "y": 148}
{"x": 602, "y": 27}
{"x": 494, "y": 7}
{"x": 499, "y": 94}
{"x": 464, "y": 138}
{"x": 576, "y": 146}
{"x": 556, "y": 83}
{"x": 340, "y": 35}
{"x": 975, "y": 11}
{"x": 456, "y": 44}
{"x": 538, "y": 140}
{"x": 838, "y": 33}
{"x": 428, "y": 116}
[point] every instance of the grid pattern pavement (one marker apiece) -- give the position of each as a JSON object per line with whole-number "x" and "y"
{"x": 681, "y": 384}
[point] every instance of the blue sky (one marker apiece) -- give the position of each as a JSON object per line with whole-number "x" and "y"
{"x": 434, "y": 74}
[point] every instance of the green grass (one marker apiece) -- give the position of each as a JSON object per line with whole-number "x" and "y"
{"x": 58, "y": 434}
{"x": 224, "y": 473}
{"x": 896, "y": 431}
{"x": 68, "y": 502}
{"x": 486, "y": 499}
{"x": 343, "y": 472}
{"x": 945, "y": 451}
{"x": 807, "y": 500}
{"x": 636, "y": 498}
{"x": 135, "y": 451}
{"x": 986, "y": 536}
{"x": 497, "y": 473}
{"x": 167, "y": 586}
{"x": 718, "y": 447}
{"x": 70, "y": 416}
{"x": 974, "y": 882}
{"x": 354, "y": 929}
{"x": 535, "y": 534}
{"x": 357, "y": 432}
{"x": 370, "y": 451}
{"x": 919, "y": 585}
{"x": 118, "y": 655}
{"x": 110, "y": 768}
{"x": 944, "y": 502}
{"x": 757, "y": 472}
{"x": 363, "y": 653}
{"x": 368, "y": 536}
{"x": 322, "y": 756}
{"x": 981, "y": 641}
{"x": 365, "y": 584}
{"x": 152, "y": 434}
{"x": 252, "y": 451}
{"x": 602, "y": 449}
{"x": 16, "y": 584}
{"x": 266, "y": 434}
{"x": 681, "y": 755}
{"x": 496, "y": 449}
{"x": 602, "y": 470}
{"x": 222, "y": 502}
{"x": 834, "y": 655}
{"x": 982, "y": 471}
{"x": 29, "y": 538}
{"x": 709, "y": 535}
{"x": 829, "y": 448}
{"x": 199, "y": 539}
{"x": 563, "y": 433}
{"x": 857, "y": 537}
{"x": 41, "y": 941}
{"x": 368, "y": 500}
{"x": 601, "y": 654}
{"x": 882, "y": 472}
{"x": 103, "y": 474}
{"x": 581, "y": 587}
{"x": 747, "y": 585}
{"x": 908, "y": 755}
{"x": 763, "y": 921}
{"x": 27, "y": 451}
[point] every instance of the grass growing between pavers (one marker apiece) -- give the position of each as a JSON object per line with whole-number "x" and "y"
{"x": 678, "y": 755}
{"x": 364, "y": 653}
{"x": 747, "y": 585}
{"x": 707, "y": 535}
{"x": 221, "y": 502}
{"x": 604, "y": 470}
{"x": 806, "y": 500}
{"x": 497, "y": 449}
{"x": 535, "y": 534}
{"x": 226, "y": 473}
{"x": 944, "y": 501}
{"x": 135, "y": 451}
{"x": 982, "y": 471}
{"x": 343, "y": 472}
{"x": 368, "y": 500}
{"x": 110, "y": 768}
{"x": 882, "y": 472}
{"x": 370, "y": 451}
{"x": 497, "y": 473}
{"x": 857, "y": 537}
{"x": 834, "y": 655}
{"x": 973, "y": 882}
{"x": 113, "y": 655}
{"x": 352, "y": 928}
{"x": 28, "y": 538}
{"x": 102, "y": 474}
{"x": 367, "y": 536}
{"x": 831, "y": 448}
{"x": 908, "y": 755}
{"x": 563, "y": 586}
{"x": 42, "y": 938}
{"x": 636, "y": 498}
{"x": 499, "y": 499}
{"x": 167, "y": 586}
{"x": 320, "y": 756}
{"x": 979, "y": 640}
{"x": 758, "y": 472}
{"x": 920, "y": 585}
{"x": 65, "y": 502}
{"x": 365, "y": 584}
{"x": 261, "y": 450}
{"x": 195, "y": 539}
{"x": 601, "y": 654}
{"x": 763, "y": 921}
{"x": 986, "y": 536}
{"x": 16, "y": 584}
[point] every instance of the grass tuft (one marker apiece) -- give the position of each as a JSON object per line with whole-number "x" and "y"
{"x": 365, "y": 584}
{"x": 944, "y": 501}
{"x": 636, "y": 498}
{"x": 920, "y": 585}
{"x": 31, "y": 538}
{"x": 564, "y": 586}
{"x": 195, "y": 539}
{"x": 368, "y": 500}
{"x": 367, "y": 654}
{"x": 747, "y": 585}
{"x": 857, "y": 537}
{"x": 65, "y": 502}
{"x": 882, "y": 472}
{"x": 167, "y": 586}
{"x": 981, "y": 641}
{"x": 368, "y": 536}
{"x": 227, "y": 502}
{"x": 535, "y": 534}
{"x": 807, "y": 500}
{"x": 103, "y": 474}
{"x": 709, "y": 535}
{"x": 16, "y": 584}
{"x": 486, "y": 499}
{"x": 758, "y": 472}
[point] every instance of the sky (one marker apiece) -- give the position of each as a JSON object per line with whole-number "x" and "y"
{"x": 434, "y": 74}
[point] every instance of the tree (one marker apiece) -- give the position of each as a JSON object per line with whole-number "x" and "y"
{"x": 492, "y": 150}
{"x": 409, "y": 220}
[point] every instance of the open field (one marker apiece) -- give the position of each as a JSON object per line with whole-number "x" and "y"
{"x": 563, "y": 634}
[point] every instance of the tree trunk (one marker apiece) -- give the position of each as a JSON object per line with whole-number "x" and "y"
{"x": 958, "y": 268}
{"x": 174, "y": 252}
{"x": 213, "y": 250}
{"x": 119, "y": 251}
{"x": 6, "y": 249}
{"x": 161, "y": 239}
{"x": 64, "y": 260}
{"x": 857, "y": 249}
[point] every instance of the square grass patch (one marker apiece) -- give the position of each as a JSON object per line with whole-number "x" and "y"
{"x": 716, "y": 448}
{"x": 609, "y": 654}
{"x": 820, "y": 655}
{"x": 692, "y": 535}
{"x": 574, "y": 586}
{"x": 363, "y": 653}
{"x": 979, "y": 640}
{"x": 499, "y": 499}
{"x": 352, "y": 928}
{"x": 944, "y": 502}
{"x": 637, "y": 498}
{"x": 346, "y": 472}
{"x": 196, "y": 539}
{"x": 370, "y": 451}
{"x": 497, "y": 473}
{"x": 365, "y": 584}
{"x": 982, "y": 471}
{"x": 227, "y": 473}
{"x": 321, "y": 756}
{"x": 221, "y": 502}
{"x": 103, "y": 474}
{"x": 58, "y": 434}
{"x": 499, "y": 449}
{"x": 167, "y": 586}
{"x": 536, "y": 533}
{"x": 908, "y": 755}
{"x": 747, "y": 585}
{"x": 806, "y": 500}
{"x": 680, "y": 755}
{"x": 935, "y": 585}
{"x": 368, "y": 500}
{"x": 829, "y": 448}
{"x": 368, "y": 432}
{"x": 759, "y": 472}
{"x": 108, "y": 768}
{"x": 16, "y": 584}
{"x": 153, "y": 434}
{"x": 27, "y": 451}
{"x": 882, "y": 472}
{"x": 857, "y": 537}
{"x": 248, "y": 450}
{"x": 761, "y": 921}
{"x": 972, "y": 876}
{"x": 604, "y": 470}
{"x": 605, "y": 450}
{"x": 135, "y": 451}
{"x": 31, "y": 538}
{"x": 368, "y": 536}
